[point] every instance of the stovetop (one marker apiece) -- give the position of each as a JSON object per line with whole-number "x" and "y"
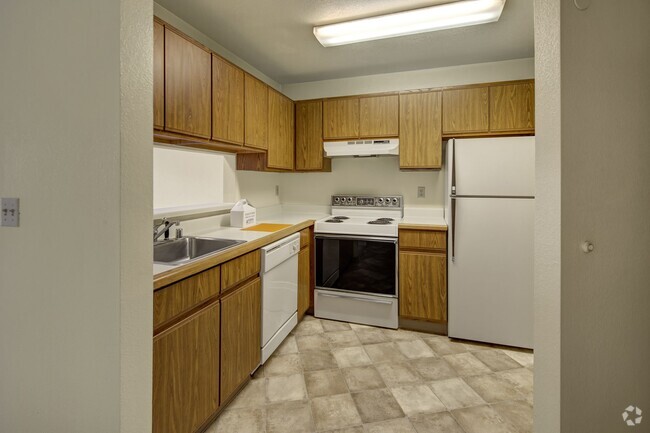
{"x": 363, "y": 216}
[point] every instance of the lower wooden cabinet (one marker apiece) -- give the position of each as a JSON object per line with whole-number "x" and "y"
{"x": 241, "y": 335}
{"x": 423, "y": 286}
{"x": 186, "y": 373}
{"x": 304, "y": 262}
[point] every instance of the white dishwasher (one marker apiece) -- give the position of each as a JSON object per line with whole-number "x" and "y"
{"x": 279, "y": 292}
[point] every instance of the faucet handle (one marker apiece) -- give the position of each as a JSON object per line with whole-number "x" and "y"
{"x": 179, "y": 232}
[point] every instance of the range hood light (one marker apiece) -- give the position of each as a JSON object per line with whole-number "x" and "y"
{"x": 440, "y": 17}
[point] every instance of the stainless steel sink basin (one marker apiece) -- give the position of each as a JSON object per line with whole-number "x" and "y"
{"x": 186, "y": 249}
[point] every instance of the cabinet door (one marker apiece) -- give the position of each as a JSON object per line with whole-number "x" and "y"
{"x": 227, "y": 102}
{"x": 241, "y": 329}
{"x": 341, "y": 118}
{"x": 420, "y": 130}
{"x": 256, "y": 106}
{"x": 186, "y": 373}
{"x": 158, "y": 75}
{"x": 281, "y": 131}
{"x": 512, "y": 107}
{"x": 379, "y": 116}
{"x": 187, "y": 86}
{"x": 304, "y": 274}
{"x": 309, "y": 137}
{"x": 423, "y": 286}
{"x": 465, "y": 110}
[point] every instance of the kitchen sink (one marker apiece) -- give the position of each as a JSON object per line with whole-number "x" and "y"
{"x": 188, "y": 248}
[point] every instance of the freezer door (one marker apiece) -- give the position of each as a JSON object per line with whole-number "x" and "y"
{"x": 494, "y": 166}
{"x": 491, "y": 274}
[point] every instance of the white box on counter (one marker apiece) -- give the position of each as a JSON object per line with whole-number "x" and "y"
{"x": 242, "y": 214}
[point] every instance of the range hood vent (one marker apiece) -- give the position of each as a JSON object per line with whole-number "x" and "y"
{"x": 378, "y": 147}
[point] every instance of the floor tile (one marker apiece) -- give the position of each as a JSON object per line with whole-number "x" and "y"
{"x": 377, "y": 405}
{"x": 363, "y": 378}
{"x": 524, "y": 358}
{"x": 441, "y": 422}
{"x": 455, "y": 393}
{"x": 355, "y": 429}
{"x": 308, "y": 327}
{"x": 370, "y": 335}
{"x": 259, "y": 373}
{"x": 496, "y": 360}
{"x": 287, "y": 346}
{"x": 521, "y": 378}
{"x": 384, "y": 352}
{"x": 351, "y": 357}
{"x": 283, "y": 365}
{"x": 308, "y": 343}
{"x": 399, "y": 425}
{"x": 331, "y": 326}
{"x": 253, "y": 395}
{"x": 245, "y": 420}
{"x": 325, "y": 382}
{"x": 414, "y": 399}
{"x": 493, "y": 388}
{"x": 467, "y": 364}
{"x": 356, "y": 326}
{"x": 433, "y": 368}
{"x": 397, "y": 374}
{"x": 400, "y": 334}
{"x": 334, "y": 412}
{"x": 296, "y": 414}
{"x": 519, "y": 413}
{"x": 415, "y": 349}
{"x": 443, "y": 346}
{"x": 318, "y": 360}
{"x": 342, "y": 338}
{"x": 285, "y": 388}
{"x": 482, "y": 419}
{"x": 473, "y": 346}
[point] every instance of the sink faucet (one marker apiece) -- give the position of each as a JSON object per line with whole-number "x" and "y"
{"x": 162, "y": 228}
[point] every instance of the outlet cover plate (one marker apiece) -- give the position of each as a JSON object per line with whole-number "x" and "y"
{"x": 9, "y": 212}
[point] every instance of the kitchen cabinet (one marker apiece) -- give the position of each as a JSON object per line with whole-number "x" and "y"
{"x": 158, "y": 75}
{"x": 379, "y": 116}
{"x": 280, "y": 153}
{"x": 227, "y": 102}
{"x": 186, "y": 372}
{"x": 256, "y": 109}
{"x": 309, "y": 137}
{"x": 512, "y": 107}
{"x": 241, "y": 330}
{"x": 465, "y": 110}
{"x": 420, "y": 130}
{"x": 188, "y": 80}
{"x": 341, "y": 118}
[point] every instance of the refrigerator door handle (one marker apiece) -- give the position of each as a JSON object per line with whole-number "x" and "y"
{"x": 453, "y": 167}
{"x": 453, "y": 229}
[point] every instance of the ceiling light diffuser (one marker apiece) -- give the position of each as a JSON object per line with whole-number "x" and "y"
{"x": 439, "y": 17}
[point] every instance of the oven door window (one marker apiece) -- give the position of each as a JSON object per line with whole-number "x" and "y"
{"x": 357, "y": 265}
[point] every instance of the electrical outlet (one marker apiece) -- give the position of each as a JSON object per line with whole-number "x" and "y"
{"x": 277, "y": 190}
{"x": 9, "y": 212}
{"x": 421, "y": 192}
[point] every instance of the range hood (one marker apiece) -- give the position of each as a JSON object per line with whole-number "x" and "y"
{"x": 368, "y": 147}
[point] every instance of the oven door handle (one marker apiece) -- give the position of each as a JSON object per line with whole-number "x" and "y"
{"x": 357, "y": 238}
{"x": 354, "y": 298}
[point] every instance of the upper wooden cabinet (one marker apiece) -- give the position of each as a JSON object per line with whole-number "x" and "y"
{"x": 340, "y": 118}
{"x": 512, "y": 107}
{"x": 465, "y": 110}
{"x": 187, "y": 86}
{"x": 280, "y": 153}
{"x": 420, "y": 130}
{"x": 158, "y": 75}
{"x": 379, "y": 116}
{"x": 227, "y": 102}
{"x": 309, "y": 137}
{"x": 256, "y": 107}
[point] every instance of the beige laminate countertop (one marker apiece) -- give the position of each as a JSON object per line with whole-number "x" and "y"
{"x": 423, "y": 223}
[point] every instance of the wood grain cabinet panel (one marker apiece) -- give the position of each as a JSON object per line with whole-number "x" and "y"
{"x": 304, "y": 270}
{"x": 465, "y": 110}
{"x": 420, "y": 130}
{"x": 280, "y": 152}
{"x": 238, "y": 270}
{"x": 227, "y": 102}
{"x": 305, "y": 238}
{"x": 423, "y": 240}
{"x": 309, "y": 137}
{"x": 158, "y": 75}
{"x": 379, "y": 116}
{"x": 256, "y": 108}
{"x": 187, "y": 86}
{"x": 341, "y": 118}
{"x": 423, "y": 286}
{"x": 241, "y": 330}
{"x": 512, "y": 107}
{"x": 186, "y": 373}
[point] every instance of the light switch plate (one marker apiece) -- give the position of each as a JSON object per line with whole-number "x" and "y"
{"x": 9, "y": 212}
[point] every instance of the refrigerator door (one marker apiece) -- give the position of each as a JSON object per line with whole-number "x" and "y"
{"x": 491, "y": 271}
{"x": 494, "y": 166}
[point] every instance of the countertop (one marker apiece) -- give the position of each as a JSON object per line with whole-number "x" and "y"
{"x": 423, "y": 223}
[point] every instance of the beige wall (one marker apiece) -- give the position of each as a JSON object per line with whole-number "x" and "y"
{"x": 594, "y": 107}
{"x": 75, "y": 295}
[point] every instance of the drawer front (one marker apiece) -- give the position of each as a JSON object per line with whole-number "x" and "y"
{"x": 423, "y": 240}
{"x": 239, "y": 270}
{"x": 181, "y": 297}
{"x": 305, "y": 238}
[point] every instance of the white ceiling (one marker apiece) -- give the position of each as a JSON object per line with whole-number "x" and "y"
{"x": 276, "y": 37}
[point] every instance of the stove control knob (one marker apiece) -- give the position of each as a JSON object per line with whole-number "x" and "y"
{"x": 349, "y": 200}
{"x": 387, "y": 201}
{"x": 395, "y": 201}
{"x": 337, "y": 200}
{"x": 380, "y": 201}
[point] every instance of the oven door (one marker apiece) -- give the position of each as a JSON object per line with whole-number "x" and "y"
{"x": 357, "y": 264}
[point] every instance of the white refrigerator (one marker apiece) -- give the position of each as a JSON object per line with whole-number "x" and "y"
{"x": 490, "y": 213}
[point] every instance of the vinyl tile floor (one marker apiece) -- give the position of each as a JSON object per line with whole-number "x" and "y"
{"x": 340, "y": 377}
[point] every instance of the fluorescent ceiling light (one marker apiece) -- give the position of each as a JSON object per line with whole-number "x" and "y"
{"x": 439, "y": 17}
